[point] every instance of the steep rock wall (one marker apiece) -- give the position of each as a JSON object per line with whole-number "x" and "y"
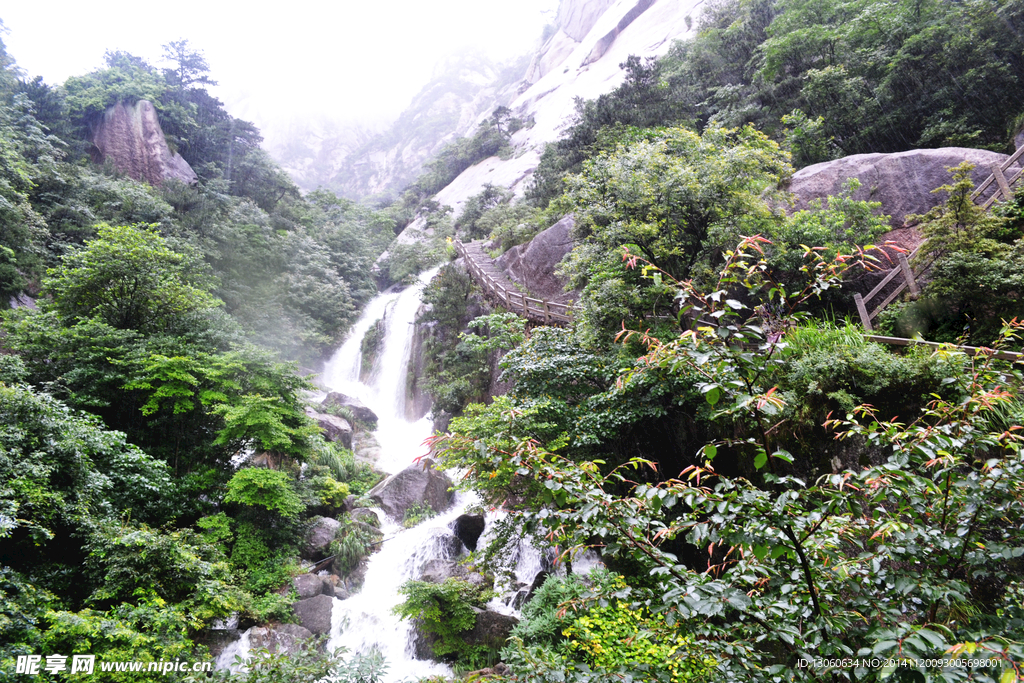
{"x": 130, "y": 137}
{"x": 561, "y": 73}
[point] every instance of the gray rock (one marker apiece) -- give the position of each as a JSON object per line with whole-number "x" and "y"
{"x": 419, "y": 484}
{"x": 601, "y": 47}
{"x": 491, "y": 629}
{"x": 902, "y": 182}
{"x": 436, "y": 571}
{"x": 358, "y": 408}
{"x": 417, "y": 401}
{"x": 130, "y": 138}
{"x": 366, "y": 516}
{"x": 468, "y": 528}
{"x": 307, "y": 585}
{"x": 441, "y": 421}
{"x": 577, "y": 18}
{"x": 449, "y": 546}
{"x": 315, "y": 613}
{"x": 532, "y": 265}
{"x": 336, "y": 429}
{"x": 320, "y": 534}
{"x": 281, "y": 638}
{"x": 22, "y": 300}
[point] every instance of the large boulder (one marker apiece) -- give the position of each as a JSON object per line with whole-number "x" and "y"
{"x": 129, "y": 136}
{"x": 311, "y": 585}
{"x": 314, "y": 614}
{"x": 336, "y": 429}
{"x": 418, "y": 484}
{"x": 288, "y": 638}
{"x": 902, "y": 182}
{"x": 318, "y": 537}
{"x": 532, "y": 265}
{"x": 358, "y": 408}
{"x": 491, "y": 630}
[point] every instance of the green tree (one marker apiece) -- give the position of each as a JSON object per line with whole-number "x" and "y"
{"x": 131, "y": 279}
{"x": 678, "y": 201}
{"x": 271, "y": 490}
{"x": 781, "y": 577}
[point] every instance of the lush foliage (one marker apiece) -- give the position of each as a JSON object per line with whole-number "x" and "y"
{"x": 776, "y": 565}
{"x": 828, "y": 79}
{"x": 444, "y": 610}
{"x": 583, "y": 626}
{"x": 975, "y": 275}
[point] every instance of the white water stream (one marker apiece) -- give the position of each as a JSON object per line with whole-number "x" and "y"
{"x": 364, "y": 621}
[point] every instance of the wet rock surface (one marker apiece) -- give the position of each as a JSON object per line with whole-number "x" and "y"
{"x": 468, "y": 528}
{"x": 314, "y": 614}
{"x": 419, "y": 484}
{"x": 336, "y": 429}
{"x": 359, "y": 409}
{"x": 288, "y": 638}
{"x": 318, "y": 538}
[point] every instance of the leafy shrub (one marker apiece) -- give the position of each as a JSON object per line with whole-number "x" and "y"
{"x": 352, "y": 542}
{"x": 417, "y": 514}
{"x": 446, "y": 611}
{"x": 257, "y": 487}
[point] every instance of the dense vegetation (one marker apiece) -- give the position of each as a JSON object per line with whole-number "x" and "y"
{"x": 774, "y": 497}
{"x": 830, "y": 78}
{"x": 158, "y": 468}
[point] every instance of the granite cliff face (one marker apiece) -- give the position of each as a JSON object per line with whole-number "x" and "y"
{"x": 902, "y": 182}
{"x": 130, "y": 137}
{"x": 580, "y": 59}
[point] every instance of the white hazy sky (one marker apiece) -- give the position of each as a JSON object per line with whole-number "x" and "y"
{"x": 344, "y": 60}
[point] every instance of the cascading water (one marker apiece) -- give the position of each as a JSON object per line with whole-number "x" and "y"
{"x": 364, "y": 621}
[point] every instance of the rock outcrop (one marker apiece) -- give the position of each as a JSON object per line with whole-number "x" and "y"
{"x": 607, "y": 39}
{"x": 418, "y": 484}
{"x": 417, "y": 400}
{"x": 532, "y": 265}
{"x": 491, "y": 630}
{"x": 311, "y": 585}
{"x": 314, "y": 614}
{"x": 902, "y": 182}
{"x": 321, "y": 533}
{"x": 129, "y": 136}
{"x": 468, "y": 528}
{"x": 358, "y": 408}
{"x": 288, "y": 638}
{"x": 336, "y": 429}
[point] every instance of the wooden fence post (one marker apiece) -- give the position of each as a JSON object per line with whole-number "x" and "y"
{"x": 908, "y": 275}
{"x": 865, "y": 319}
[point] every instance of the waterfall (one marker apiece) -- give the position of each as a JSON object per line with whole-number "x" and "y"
{"x": 364, "y": 621}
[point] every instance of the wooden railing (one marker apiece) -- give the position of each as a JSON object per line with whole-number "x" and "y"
{"x": 998, "y": 177}
{"x": 909, "y": 282}
{"x": 969, "y": 350}
{"x": 540, "y": 310}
